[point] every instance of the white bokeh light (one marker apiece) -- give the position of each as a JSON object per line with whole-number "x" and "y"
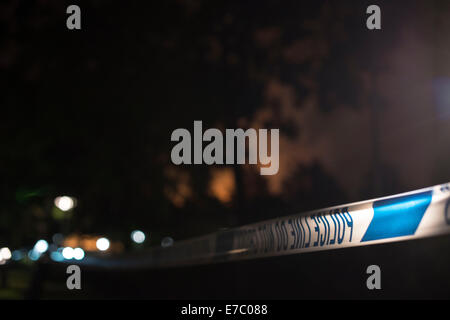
{"x": 5, "y": 253}
{"x": 68, "y": 253}
{"x": 138, "y": 236}
{"x": 41, "y": 246}
{"x": 102, "y": 244}
{"x": 64, "y": 203}
{"x": 78, "y": 253}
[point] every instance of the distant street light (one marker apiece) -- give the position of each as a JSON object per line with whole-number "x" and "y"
{"x": 138, "y": 236}
{"x": 166, "y": 242}
{"x": 64, "y": 203}
{"x": 102, "y": 244}
{"x": 68, "y": 253}
{"x": 41, "y": 246}
{"x": 78, "y": 253}
{"x": 5, "y": 253}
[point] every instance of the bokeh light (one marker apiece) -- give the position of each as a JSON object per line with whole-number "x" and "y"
{"x": 41, "y": 246}
{"x": 166, "y": 242}
{"x": 102, "y": 244}
{"x": 17, "y": 255}
{"x": 68, "y": 253}
{"x": 56, "y": 256}
{"x": 78, "y": 253}
{"x": 64, "y": 203}
{"x": 138, "y": 236}
{"x": 33, "y": 255}
{"x": 5, "y": 253}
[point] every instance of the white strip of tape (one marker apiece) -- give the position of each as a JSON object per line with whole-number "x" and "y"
{"x": 417, "y": 214}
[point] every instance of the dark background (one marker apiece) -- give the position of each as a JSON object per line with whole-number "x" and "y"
{"x": 89, "y": 113}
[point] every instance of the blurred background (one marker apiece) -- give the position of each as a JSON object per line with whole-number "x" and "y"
{"x": 86, "y": 117}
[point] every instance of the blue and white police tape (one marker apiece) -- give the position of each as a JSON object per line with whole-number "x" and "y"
{"x": 412, "y": 215}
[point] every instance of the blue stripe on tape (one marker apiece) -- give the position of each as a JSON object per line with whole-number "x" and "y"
{"x": 397, "y": 217}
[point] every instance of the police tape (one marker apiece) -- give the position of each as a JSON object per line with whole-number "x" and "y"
{"x": 412, "y": 215}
